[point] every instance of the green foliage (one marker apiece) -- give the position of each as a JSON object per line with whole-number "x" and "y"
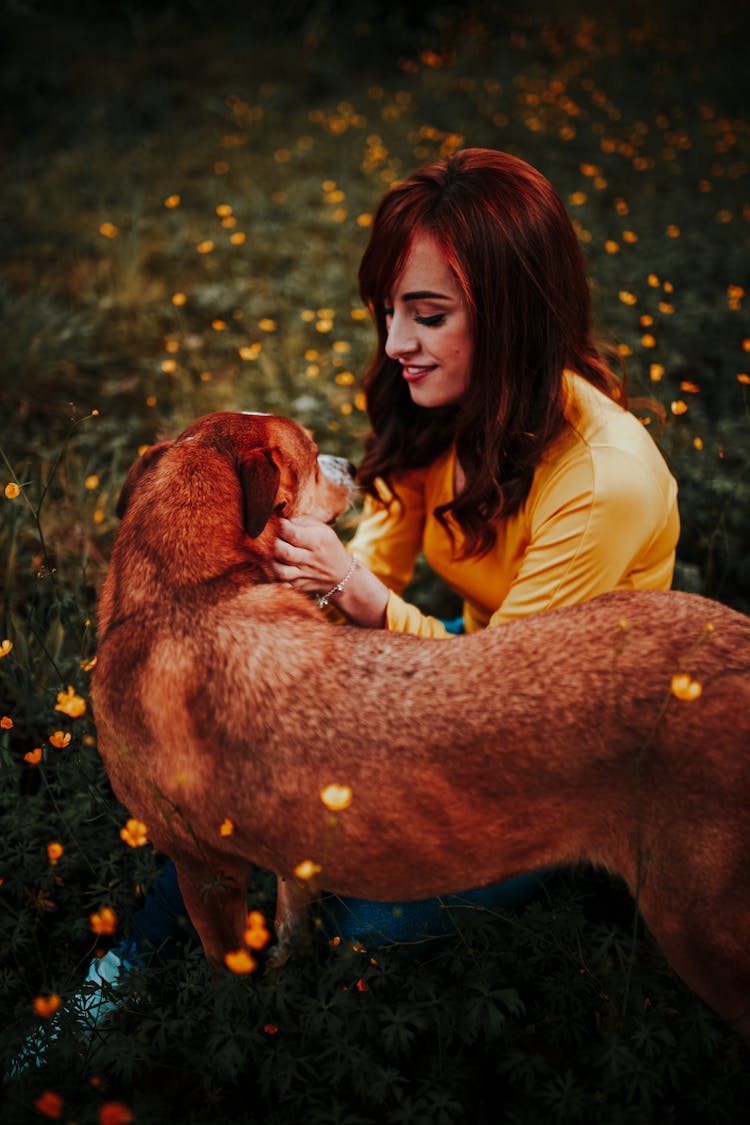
{"x": 557, "y": 1012}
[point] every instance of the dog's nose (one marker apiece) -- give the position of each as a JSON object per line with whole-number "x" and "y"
{"x": 352, "y": 469}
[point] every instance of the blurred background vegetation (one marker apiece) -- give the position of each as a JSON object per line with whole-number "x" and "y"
{"x": 186, "y": 194}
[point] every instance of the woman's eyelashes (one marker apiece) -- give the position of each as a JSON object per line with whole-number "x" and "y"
{"x": 428, "y": 321}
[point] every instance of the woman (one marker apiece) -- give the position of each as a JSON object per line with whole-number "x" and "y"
{"x": 501, "y": 446}
{"x": 500, "y": 442}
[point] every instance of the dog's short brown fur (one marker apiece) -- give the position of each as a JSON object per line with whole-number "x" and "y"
{"x": 219, "y": 694}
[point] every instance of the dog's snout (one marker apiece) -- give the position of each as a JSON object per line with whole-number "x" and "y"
{"x": 340, "y": 473}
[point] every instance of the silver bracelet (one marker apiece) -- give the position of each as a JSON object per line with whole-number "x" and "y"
{"x": 323, "y": 599}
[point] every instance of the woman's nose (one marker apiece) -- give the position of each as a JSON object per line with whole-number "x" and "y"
{"x": 402, "y": 337}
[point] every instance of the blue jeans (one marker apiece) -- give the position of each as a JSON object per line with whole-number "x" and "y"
{"x": 162, "y": 924}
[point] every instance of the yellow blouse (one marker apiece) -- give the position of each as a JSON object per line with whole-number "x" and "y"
{"x": 601, "y": 515}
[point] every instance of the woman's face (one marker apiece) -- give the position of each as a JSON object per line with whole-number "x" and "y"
{"x": 429, "y": 327}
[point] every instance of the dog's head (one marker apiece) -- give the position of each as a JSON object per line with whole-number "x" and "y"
{"x": 276, "y": 461}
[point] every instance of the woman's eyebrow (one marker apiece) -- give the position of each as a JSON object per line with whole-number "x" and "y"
{"x": 424, "y": 294}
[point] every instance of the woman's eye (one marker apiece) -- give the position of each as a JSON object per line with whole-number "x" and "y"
{"x": 431, "y": 321}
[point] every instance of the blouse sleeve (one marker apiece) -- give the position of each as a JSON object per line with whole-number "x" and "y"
{"x": 588, "y": 531}
{"x": 388, "y": 541}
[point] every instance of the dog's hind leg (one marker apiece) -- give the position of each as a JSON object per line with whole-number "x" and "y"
{"x": 709, "y": 948}
{"x": 216, "y": 900}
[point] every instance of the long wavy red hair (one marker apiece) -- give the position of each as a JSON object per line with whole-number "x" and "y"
{"x": 510, "y": 243}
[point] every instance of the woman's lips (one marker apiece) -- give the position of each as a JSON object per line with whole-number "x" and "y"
{"x": 413, "y": 373}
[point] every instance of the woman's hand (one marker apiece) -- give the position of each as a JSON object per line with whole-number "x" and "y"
{"x": 310, "y": 557}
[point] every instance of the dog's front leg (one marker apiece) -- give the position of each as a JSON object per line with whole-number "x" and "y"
{"x": 293, "y": 898}
{"x": 216, "y": 901}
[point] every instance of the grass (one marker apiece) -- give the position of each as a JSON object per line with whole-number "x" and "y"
{"x": 137, "y": 139}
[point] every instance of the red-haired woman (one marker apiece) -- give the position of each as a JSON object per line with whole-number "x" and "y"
{"x": 501, "y": 447}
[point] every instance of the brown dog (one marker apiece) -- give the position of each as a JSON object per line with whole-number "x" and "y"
{"x": 219, "y": 694}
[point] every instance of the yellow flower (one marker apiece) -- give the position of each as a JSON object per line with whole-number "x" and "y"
{"x": 307, "y": 869}
{"x": 6, "y": 646}
{"x": 134, "y": 833}
{"x": 103, "y": 921}
{"x": 46, "y": 1006}
{"x": 60, "y": 740}
{"x": 240, "y": 961}
{"x": 33, "y": 757}
{"x": 685, "y": 688}
{"x": 54, "y": 852}
{"x": 336, "y": 797}
{"x": 12, "y": 490}
{"x": 227, "y": 828}
{"x": 256, "y": 934}
{"x": 70, "y": 704}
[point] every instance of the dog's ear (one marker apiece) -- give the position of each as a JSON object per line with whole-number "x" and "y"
{"x": 145, "y": 462}
{"x": 259, "y": 477}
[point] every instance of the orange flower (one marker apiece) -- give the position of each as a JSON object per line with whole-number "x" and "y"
{"x": 362, "y": 986}
{"x": 12, "y": 490}
{"x": 54, "y": 851}
{"x": 256, "y": 934}
{"x": 270, "y": 1029}
{"x": 70, "y": 704}
{"x": 114, "y": 1113}
{"x": 307, "y": 869}
{"x": 685, "y": 688}
{"x": 60, "y": 739}
{"x": 227, "y": 828}
{"x": 5, "y": 647}
{"x": 49, "y": 1104}
{"x": 135, "y": 833}
{"x": 240, "y": 962}
{"x": 33, "y": 757}
{"x": 103, "y": 921}
{"x": 336, "y": 797}
{"x": 6, "y": 723}
{"x": 46, "y": 1006}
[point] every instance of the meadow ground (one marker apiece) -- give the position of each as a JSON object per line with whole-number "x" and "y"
{"x": 187, "y": 191}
